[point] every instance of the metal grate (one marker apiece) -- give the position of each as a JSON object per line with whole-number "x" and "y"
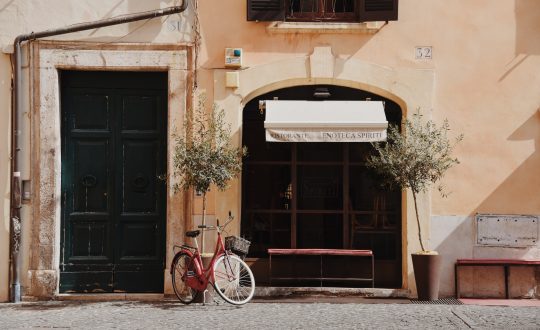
{"x": 319, "y": 9}
{"x": 265, "y": 4}
{"x": 444, "y": 301}
{"x": 379, "y": 5}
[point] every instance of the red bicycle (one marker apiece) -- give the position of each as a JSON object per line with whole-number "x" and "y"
{"x": 228, "y": 273}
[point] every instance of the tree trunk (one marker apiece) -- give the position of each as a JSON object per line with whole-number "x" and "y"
{"x": 418, "y": 220}
{"x": 203, "y": 221}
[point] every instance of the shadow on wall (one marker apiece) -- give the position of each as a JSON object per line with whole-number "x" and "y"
{"x": 455, "y": 237}
{"x": 522, "y": 185}
{"x": 527, "y": 27}
{"x": 135, "y": 6}
{"x": 5, "y": 5}
{"x": 527, "y": 14}
{"x": 177, "y": 26}
{"x": 234, "y": 30}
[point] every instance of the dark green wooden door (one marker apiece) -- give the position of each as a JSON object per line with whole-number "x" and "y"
{"x": 113, "y": 200}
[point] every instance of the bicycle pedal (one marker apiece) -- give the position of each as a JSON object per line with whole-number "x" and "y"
{"x": 190, "y": 273}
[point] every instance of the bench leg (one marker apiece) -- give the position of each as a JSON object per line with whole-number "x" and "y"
{"x": 270, "y": 270}
{"x": 506, "y": 273}
{"x": 372, "y": 271}
{"x": 320, "y": 272}
{"x": 456, "y": 281}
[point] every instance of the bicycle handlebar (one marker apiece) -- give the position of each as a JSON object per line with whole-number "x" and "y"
{"x": 205, "y": 227}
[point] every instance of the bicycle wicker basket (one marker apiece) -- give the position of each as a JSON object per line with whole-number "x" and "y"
{"x": 237, "y": 244}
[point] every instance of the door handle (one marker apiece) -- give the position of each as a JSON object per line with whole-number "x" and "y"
{"x": 89, "y": 181}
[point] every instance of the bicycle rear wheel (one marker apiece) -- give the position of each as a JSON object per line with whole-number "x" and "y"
{"x": 181, "y": 269}
{"x": 233, "y": 280}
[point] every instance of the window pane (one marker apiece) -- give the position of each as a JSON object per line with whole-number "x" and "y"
{"x": 254, "y": 139}
{"x": 364, "y": 194}
{"x": 363, "y": 221}
{"x": 319, "y": 231}
{"x": 339, "y": 6}
{"x": 320, "y": 151}
{"x": 359, "y": 152}
{"x": 267, "y": 187}
{"x": 320, "y": 187}
{"x": 304, "y": 6}
{"x": 266, "y": 230}
{"x": 383, "y": 245}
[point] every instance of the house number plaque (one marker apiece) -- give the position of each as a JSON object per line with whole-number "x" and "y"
{"x": 423, "y": 52}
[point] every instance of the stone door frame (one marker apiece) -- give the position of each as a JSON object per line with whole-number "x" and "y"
{"x": 47, "y": 58}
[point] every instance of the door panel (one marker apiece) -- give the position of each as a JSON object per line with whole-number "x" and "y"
{"x": 91, "y": 111}
{"x": 91, "y": 179}
{"x": 139, "y": 176}
{"x": 91, "y": 239}
{"x": 140, "y": 112}
{"x": 113, "y": 151}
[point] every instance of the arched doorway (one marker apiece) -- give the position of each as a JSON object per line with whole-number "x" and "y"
{"x": 318, "y": 195}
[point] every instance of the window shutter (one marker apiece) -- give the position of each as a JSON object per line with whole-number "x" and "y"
{"x": 265, "y": 10}
{"x": 377, "y": 10}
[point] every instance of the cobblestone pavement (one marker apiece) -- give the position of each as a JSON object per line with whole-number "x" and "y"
{"x": 263, "y": 315}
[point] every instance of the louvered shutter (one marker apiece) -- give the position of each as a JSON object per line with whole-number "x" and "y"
{"x": 377, "y": 10}
{"x": 265, "y": 10}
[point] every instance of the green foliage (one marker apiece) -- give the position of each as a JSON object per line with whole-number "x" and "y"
{"x": 416, "y": 159}
{"x": 203, "y": 154}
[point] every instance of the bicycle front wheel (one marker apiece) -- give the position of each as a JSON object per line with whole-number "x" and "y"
{"x": 233, "y": 280}
{"x": 182, "y": 268}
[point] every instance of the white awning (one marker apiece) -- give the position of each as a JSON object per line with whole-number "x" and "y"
{"x": 325, "y": 121}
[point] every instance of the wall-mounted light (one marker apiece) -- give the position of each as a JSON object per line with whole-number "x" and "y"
{"x": 321, "y": 93}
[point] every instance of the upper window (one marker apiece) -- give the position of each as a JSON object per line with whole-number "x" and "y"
{"x": 322, "y": 10}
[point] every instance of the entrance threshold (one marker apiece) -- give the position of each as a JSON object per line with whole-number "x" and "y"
{"x": 110, "y": 297}
{"x": 275, "y": 292}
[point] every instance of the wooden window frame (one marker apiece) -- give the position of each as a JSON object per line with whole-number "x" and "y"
{"x": 321, "y": 15}
{"x": 345, "y": 212}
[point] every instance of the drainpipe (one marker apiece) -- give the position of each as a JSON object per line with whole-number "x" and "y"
{"x": 16, "y": 128}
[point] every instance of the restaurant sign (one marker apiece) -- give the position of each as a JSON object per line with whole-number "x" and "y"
{"x": 311, "y": 135}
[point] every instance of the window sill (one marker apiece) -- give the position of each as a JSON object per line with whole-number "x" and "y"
{"x": 325, "y": 27}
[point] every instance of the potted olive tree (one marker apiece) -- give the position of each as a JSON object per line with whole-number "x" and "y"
{"x": 415, "y": 160}
{"x": 204, "y": 154}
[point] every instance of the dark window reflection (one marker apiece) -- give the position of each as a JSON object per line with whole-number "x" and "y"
{"x": 267, "y": 187}
{"x": 320, "y": 231}
{"x": 266, "y": 230}
{"x": 259, "y": 149}
{"x": 325, "y": 152}
{"x": 320, "y": 187}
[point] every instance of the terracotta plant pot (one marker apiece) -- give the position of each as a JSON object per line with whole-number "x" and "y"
{"x": 427, "y": 270}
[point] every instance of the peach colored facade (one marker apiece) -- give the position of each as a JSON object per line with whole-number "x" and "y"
{"x": 483, "y": 77}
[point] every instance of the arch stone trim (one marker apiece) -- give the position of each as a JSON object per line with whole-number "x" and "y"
{"x": 412, "y": 89}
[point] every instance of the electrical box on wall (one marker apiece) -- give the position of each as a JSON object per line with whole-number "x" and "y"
{"x": 233, "y": 57}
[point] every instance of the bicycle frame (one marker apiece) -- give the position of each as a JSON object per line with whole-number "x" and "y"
{"x": 202, "y": 275}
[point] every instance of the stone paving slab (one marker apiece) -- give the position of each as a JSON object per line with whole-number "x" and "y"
{"x": 268, "y": 315}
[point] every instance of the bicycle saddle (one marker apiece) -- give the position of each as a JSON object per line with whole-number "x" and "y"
{"x": 193, "y": 233}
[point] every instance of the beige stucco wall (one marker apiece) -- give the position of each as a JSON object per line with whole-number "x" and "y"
{"x": 41, "y": 220}
{"x": 486, "y": 59}
{"x": 483, "y": 77}
{"x": 486, "y": 56}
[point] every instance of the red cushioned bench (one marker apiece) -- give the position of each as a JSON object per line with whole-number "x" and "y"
{"x": 321, "y": 253}
{"x": 506, "y": 263}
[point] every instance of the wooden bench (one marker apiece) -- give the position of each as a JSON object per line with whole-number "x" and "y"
{"x": 506, "y": 263}
{"x": 321, "y": 253}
